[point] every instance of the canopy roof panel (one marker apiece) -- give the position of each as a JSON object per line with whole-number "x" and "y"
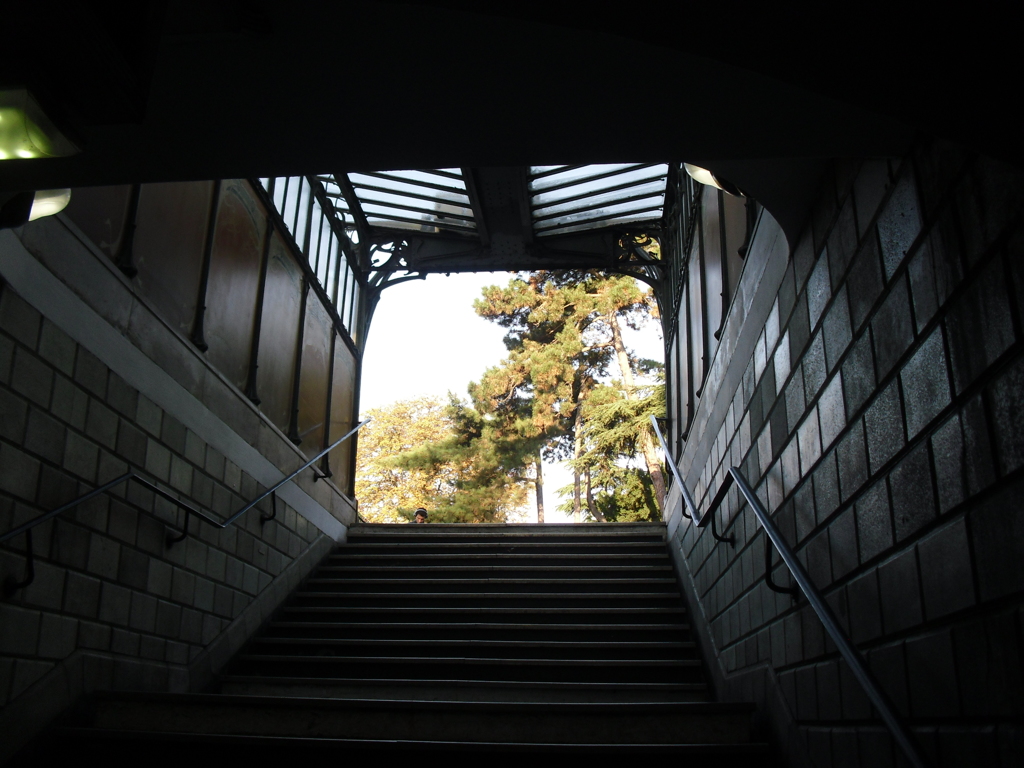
{"x": 494, "y": 217}
{"x": 573, "y": 198}
{"x": 418, "y": 200}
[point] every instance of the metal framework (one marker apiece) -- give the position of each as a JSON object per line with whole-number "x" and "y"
{"x": 405, "y": 224}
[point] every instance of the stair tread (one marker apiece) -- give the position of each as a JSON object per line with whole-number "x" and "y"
{"x": 501, "y": 555}
{"x": 428, "y": 682}
{"x": 467, "y": 594}
{"x": 544, "y": 528}
{"x": 648, "y": 545}
{"x": 478, "y": 625}
{"x": 445, "y": 582}
{"x": 479, "y": 643}
{"x": 494, "y": 595}
{"x": 696, "y": 749}
{"x": 478, "y": 660}
{"x": 485, "y": 568}
{"x": 485, "y": 609}
{"x": 138, "y": 698}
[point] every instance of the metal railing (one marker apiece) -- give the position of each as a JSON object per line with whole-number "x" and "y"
{"x": 900, "y": 733}
{"x": 12, "y": 585}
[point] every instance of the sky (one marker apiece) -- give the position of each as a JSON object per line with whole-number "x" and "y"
{"x": 425, "y": 339}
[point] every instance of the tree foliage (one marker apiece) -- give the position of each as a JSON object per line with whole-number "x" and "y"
{"x": 564, "y": 336}
{"x": 556, "y": 396}
{"x": 444, "y": 457}
{"x": 386, "y": 490}
{"x": 491, "y": 484}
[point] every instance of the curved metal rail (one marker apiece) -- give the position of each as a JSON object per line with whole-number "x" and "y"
{"x": 845, "y": 646}
{"x": 12, "y": 585}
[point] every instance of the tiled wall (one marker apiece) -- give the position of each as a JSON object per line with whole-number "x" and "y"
{"x": 880, "y": 419}
{"x": 113, "y": 605}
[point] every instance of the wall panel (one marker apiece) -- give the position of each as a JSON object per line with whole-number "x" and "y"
{"x": 100, "y": 213}
{"x": 234, "y": 280}
{"x": 714, "y": 285}
{"x": 168, "y": 249}
{"x": 346, "y": 373}
{"x": 316, "y": 352}
{"x": 279, "y": 334}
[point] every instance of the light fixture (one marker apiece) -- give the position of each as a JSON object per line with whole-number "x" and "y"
{"x": 47, "y": 202}
{"x": 25, "y": 130}
{"x": 706, "y": 177}
{"x": 20, "y": 208}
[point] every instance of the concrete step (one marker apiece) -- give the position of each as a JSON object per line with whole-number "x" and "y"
{"x": 518, "y": 667}
{"x": 435, "y": 584}
{"x": 425, "y": 631}
{"x": 130, "y": 749}
{"x": 499, "y": 613}
{"x": 460, "y": 689}
{"x": 480, "y": 599}
{"x": 425, "y": 536}
{"x": 445, "y": 721}
{"x": 429, "y": 546}
{"x": 519, "y": 649}
{"x": 509, "y": 571}
{"x": 369, "y": 557}
{"x": 473, "y": 530}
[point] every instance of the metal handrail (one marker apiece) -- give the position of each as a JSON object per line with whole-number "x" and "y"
{"x": 12, "y": 585}
{"x": 695, "y": 515}
{"x": 845, "y": 646}
{"x": 690, "y": 506}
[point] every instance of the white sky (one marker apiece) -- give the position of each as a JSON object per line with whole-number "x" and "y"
{"x": 425, "y": 339}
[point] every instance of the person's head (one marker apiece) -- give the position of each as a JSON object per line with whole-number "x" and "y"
{"x": 421, "y": 515}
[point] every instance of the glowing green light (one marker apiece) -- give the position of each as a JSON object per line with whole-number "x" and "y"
{"x": 25, "y": 130}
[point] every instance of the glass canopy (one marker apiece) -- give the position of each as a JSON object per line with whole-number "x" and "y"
{"x": 424, "y": 201}
{"x": 563, "y": 198}
{"x": 571, "y": 198}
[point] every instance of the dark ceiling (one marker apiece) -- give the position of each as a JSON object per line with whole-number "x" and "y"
{"x": 194, "y": 89}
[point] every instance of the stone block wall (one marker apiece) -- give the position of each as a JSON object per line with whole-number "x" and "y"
{"x": 113, "y": 605}
{"x": 880, "y": 418}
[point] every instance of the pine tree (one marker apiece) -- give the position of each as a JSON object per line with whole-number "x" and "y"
{"x": 564, "y": 335}
{"x": 492, "y": 484}
{"x": 388, "y": 492}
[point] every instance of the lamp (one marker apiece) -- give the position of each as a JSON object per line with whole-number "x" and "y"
{"x": 24, "y": 207}
{"x": 706, "y": 177}
{"x": 25, "y": 130}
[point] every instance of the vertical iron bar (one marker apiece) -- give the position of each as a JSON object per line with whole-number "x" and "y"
{"x": 352, "y": 311}
{"x": 337, "y": 270}
{"x": 257, "y": 327}
{"x": 306, "y": 240}
{"x": 325, "y": 466}
{"x": 293, "y": 426}
{"x": 298, "y": 208}
{"x": 198, "y": 332}
{"x": 126, "y": 251}
{"x": 344, "y": 295}
{"x": 725, "y": 264}
{"x": 319, "y": 244}
{"x": 703, "y": 298}
{"x": 351, "y": 487}
{"x": 691, "y": 394}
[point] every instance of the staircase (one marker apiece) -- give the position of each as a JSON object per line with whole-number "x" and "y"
{"x": 453, "y": 639}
